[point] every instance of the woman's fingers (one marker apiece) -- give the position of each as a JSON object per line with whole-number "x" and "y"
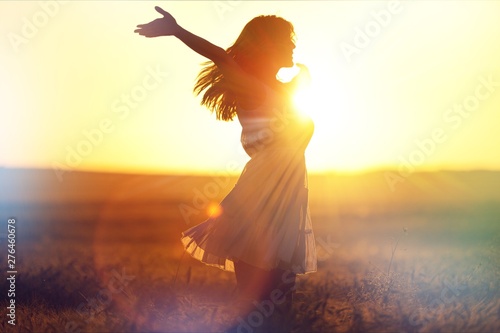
{"x": 158, "y": 27}
{"x": 144, "y": 31}
{"x": 161, "y": 11}
{"x": 302, "y": 66}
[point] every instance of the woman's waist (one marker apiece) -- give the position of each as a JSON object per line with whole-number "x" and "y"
{"x": 274, "y": 149}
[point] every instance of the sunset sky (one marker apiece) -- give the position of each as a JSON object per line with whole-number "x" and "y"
{"x": 394, "y": 83}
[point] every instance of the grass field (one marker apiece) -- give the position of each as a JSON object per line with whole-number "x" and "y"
{"x": 101, "y": 253}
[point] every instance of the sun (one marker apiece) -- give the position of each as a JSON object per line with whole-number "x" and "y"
{"x": 304, "y": 100}
{"x": 302, "y": 93}
{"x": 310, "y": 96}
{"x": 337, "y": 135}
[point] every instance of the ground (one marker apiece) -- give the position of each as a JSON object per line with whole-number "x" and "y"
{"x": 101, "y": 253}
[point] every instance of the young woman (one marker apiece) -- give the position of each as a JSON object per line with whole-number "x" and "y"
{"x": 263, "y": 232}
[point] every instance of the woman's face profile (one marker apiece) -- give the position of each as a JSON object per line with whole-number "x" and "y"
{"x": 282, "y": 53}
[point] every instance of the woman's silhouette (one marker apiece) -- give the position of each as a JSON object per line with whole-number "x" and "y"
{"x": 263, "y": 232}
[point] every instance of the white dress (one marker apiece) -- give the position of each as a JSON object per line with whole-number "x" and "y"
{"x": 264, "y": 220}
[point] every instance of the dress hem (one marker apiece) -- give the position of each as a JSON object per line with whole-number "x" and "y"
{"x": 227, "y": 264}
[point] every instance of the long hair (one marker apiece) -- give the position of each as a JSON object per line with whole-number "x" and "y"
{"x": 248, "y": 51}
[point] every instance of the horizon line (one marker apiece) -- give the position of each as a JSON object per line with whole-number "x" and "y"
{"x": 212, "y": 173}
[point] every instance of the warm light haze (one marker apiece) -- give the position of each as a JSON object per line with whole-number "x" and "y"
{"x": 395, "y": 84}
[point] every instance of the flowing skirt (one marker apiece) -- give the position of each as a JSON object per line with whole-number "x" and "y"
{"x": 264, "y": 220}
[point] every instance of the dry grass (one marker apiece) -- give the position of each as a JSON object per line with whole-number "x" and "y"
{"x": 349, "y": 293}
{"x": 114, "y": 271}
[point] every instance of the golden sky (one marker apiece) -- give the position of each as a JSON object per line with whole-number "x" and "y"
{"x": 395, "y": 84}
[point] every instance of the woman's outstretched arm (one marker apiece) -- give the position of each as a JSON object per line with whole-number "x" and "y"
{"x": 244, "y": 85}
{"x": 167, "y": 26}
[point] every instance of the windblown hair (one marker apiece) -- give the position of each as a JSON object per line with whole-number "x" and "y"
{"x": 249, "y": 50}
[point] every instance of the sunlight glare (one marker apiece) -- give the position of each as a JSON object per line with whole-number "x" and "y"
{"x": 214, "y": 209}
{"x": 286, "y": 74}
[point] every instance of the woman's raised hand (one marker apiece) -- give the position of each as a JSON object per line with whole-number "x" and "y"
{"x": 302, "y": 79}
{"x": 165, "y": 26}
{"x": 304, "y": 73}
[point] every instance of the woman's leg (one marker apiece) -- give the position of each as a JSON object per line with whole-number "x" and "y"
{"x": 251, "y": 289}
{"x": 252, "y": 282}
{"x": 284, "y": 281}
{"x": 258, "y": 283}
{"x": 255, "y": 284}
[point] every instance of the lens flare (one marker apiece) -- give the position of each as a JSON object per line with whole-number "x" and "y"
{"x": 214, "y": 209}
